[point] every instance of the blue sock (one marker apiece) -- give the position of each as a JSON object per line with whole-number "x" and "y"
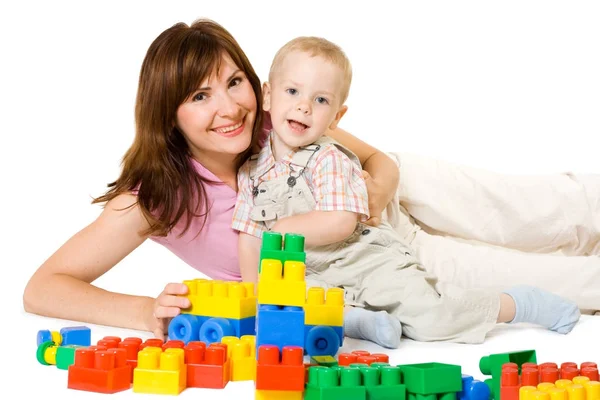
{"x": 376, "y": 326}
{"x": 543, "y": 308}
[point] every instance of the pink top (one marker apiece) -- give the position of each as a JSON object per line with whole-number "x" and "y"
{"x": 213, "y": 251}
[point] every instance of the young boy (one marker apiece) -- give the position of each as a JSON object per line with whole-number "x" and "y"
{"x": 303, "y": 182}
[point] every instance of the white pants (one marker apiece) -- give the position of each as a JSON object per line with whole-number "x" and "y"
{"x": 481, "y": 229}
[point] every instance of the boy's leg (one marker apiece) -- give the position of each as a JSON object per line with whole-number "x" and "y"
{"x": 471, "y": 266}
{"x": 543, "y": 213}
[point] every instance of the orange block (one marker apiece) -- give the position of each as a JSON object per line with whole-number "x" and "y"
{"x": 280, "y": 373}
{"x": 102, "y": 371}
{"x": 207, "y": 367}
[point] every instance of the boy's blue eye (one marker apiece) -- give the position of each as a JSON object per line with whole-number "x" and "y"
{"x": 322, "y": 100}
{"x": 291, "y": 91}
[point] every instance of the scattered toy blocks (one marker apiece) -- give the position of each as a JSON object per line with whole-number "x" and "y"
{"x": 277, "y": 370}
{"x": 102, "y": 371}
{"x": 48, "y": 353}
{"x": 321, "y": 310}
{"x": 72, "y": 335}
{"x": 271, "y": 248}
{"x": 492, "y": 365}
{"x": 282, "y": 286}
{"x": 207, "y": 367}
{"x": 280, "y": 326}
{"x": 160, "y": 372}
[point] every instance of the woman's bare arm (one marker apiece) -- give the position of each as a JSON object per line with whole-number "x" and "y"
{"x": 61, "y": 287}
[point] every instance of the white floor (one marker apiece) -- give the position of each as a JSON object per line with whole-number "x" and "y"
{"x": 578, "y": 346}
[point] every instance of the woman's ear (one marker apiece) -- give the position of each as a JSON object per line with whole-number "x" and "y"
{"x": 266, "y": 96}
{"x": 338, "y": 116}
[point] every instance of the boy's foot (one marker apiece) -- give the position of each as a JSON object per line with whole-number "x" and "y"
{"x": 543, "y": 308}
{"x": 375, "y": 326}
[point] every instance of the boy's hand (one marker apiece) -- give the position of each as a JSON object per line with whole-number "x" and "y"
{"x": 166, "y": 306}
{"x": 378, "y": 199}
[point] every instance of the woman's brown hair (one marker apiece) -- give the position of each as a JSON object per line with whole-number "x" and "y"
{"x": 158, "y": 164}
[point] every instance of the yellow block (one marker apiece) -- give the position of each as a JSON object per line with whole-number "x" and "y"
{"x": 576, "y": 392}
{"x": 563, "y": 383}
{"x": 221, "y": 299}
{"x": 277, "y": 395}
{"x": 287, "y": 289}
{"x": 160, "y": 372}
{"x": 319, "y": 310}
{"x": 592, "y": 389}
{"x": 526, "y": 391}
{"x": 242, "y": 355}
{"x": 545, "y": 386}
{"x": 557, "y": 393}
{"x": 580, "y": 380}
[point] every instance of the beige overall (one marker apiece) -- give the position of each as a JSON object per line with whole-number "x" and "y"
{"x": 376, "y": 267}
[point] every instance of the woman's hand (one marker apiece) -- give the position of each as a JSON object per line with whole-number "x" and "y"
{"x": 165, "y": 307}
{"x": 378, "y": 199}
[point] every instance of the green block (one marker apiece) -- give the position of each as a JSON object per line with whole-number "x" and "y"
{"x": 336, "y": 383}
{"x": 492, "y": 365}
{"x": 324, "y": 361}
{"x": 65, "y": 356}
{"x": 432, "y": 378}
{"x": 447, "y": 396}
{"x": 271, "y": 248}
{"x": 384, "y": 383}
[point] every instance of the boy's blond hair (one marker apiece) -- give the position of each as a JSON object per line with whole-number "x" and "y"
{"x": 316, "y": 46}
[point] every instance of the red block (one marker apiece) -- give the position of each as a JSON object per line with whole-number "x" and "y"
{"x": 529, "y": 377}
{"x": 102, "y": 371}
{"x": 132, "y": 348}
{"x": 590, "y": 372}
{"x": 207, "y": 367}
{"x": 280, "y": 373}
{"x": 509, "y": 383}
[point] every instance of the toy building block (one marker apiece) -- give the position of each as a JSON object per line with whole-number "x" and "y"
{"x": 473, "y": 389}
{"x": 323, "y": 340}
{"x": 362, "y": 357}
{"x": 152, "y": 342}
{"x": 48, "y": 353}
{"x": 282, "y": 285}
{"x": 160, "y": 372}
{"x": 72, "y": 335}
{"x": 492, "y": 365}
{"x": 220, "y": 299}
{"x": 383, "y": 382}
{"x": 280, "y": 326}
{"x": 432, "y": 378}
{"x": 194, "y": 328}
{"x": 278, "y": 395}
{"x": 277, "y": 370}
{"x": 592, "y": 390}
{"x": 322, "y": 310}
{"x": 509, "y": 383}
{"x": 324, "y": 361}
{"x": 335, "y": 383}
{"x": 271, "y": 248}
{"x": 207, "y": 367}
{"x": 102, "y": 371}
{"x": 132, "y": 348}
{"x": 241, "y": 353}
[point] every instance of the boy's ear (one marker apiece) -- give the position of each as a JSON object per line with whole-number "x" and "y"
{"x": 266, "y": 96}
{"x": 338, "y": 116}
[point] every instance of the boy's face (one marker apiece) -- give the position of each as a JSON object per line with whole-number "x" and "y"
{"x": 304, "y": 98}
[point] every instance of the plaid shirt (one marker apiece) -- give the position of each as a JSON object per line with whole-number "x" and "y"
{"x": 335, "y": 181}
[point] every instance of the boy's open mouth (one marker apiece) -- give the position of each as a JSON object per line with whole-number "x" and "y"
{"x": 297, "y": 126}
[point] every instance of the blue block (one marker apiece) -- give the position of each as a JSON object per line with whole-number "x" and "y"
{"x": 188, "y": 328}
{"x": 473, "y": 389}
{"x": 279, "y": 326}
{"x": 76, "y": 335}
{"x": 43, "y": 336}
{"x": 323, "y": 340}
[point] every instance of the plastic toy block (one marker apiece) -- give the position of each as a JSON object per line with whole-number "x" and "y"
{"x": 474, "y": 390}
{"x": 322, "y": 310}
{"x": 194, "y": 328}
{"x": 61, "y": 356}
{"x": 324, "y": 361}
{"x": 277, "y": 395}
{"x": 207, "y": 367}
{"x": 362, "y": 357}
{"x": 280, "y": 326}
{"x": 221, "y": 299}
{"x": 492, "y": 365}
{"x": 132, "y": 348}
{"x": 72, "y": 335}
{"x": 241, "y": 353}
{"x": 160, "y": 372}
{"x": 102, "y": 371}
{"x": 282, "y": 286}
{"x": 432, "y": 378}
{"x": 271, "y": 248}
{"x": 336, "y": 383}
{"x": 152, "y": 342}
{"x": 592, "y": 389}
{"x": 323, "y": 340}
{"x": 277, "y": 370}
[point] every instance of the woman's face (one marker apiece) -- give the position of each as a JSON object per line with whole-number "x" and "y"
{"x": 217, "y": 119}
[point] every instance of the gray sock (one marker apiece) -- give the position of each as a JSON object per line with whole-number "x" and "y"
{"x": 543, "y": 308}
{"x": 375, "y": 326}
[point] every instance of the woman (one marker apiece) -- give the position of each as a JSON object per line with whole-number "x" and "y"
{"x": 198, "y": 117}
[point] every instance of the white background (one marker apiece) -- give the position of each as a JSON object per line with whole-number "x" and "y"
{"x": 511, "y": 86}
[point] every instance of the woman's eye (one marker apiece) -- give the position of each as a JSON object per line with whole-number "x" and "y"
{"x": 235, "y": 82}
{"x": 199, "y": 97}
{"x": 322, "y": 100}
{"x": 291, "y": 91}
